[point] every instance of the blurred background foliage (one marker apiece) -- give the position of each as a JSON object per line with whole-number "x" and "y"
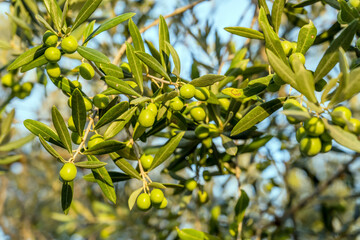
{"x": 291, "y": 196}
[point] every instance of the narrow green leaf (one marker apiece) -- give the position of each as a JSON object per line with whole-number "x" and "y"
{"x": 9, "y": 159}
{"x": 157, "y": 185}
{"x": 112, "y": 114}
{"x": 110, "y": 24}
{"x": 276, "y": 13}
{"x": 305, "y": 3}
{"x": 165, "y": 151}
{"x": 245, "y": 32}
{"x": 207, "y": 80}
{"x": 16, "y": 144}
{"x": 192, "y": 234}
{"x": 105, "y": 147}
{"x": 20, "y": 22}
{"x": 229, "y": 145}
{"x": 133, "y": 197}
{"x": 331, "y": 56}
{"x": 352, "y": 88}
{"x": 92, "y": 55}
{"x": 256, "y": 115}
{"x": 90, "y": 164}
{"x": 27, "y": 57}
{"x": 104, "y": 180}
{"x": 136, "y": 36}
{"x": 304, "y": 80}
{"x": 117, "y": 125}
{"x": 120, "y": 85}
{"x": 44, "y": 22}
{"x": 125, "y": 166}
{"x": 262, "y": 4}
{"x": 347, "y": 13}
{"x": 36, "y": 63}
{"x": 50, "y": 149}
{"x": 88, "y": 30}
{"x": 272, "y": 41}
{"x": 61, "y": 128}
{"x": 151, "y": 62}
{"x": 135, "y": 65}
{"x": 112, "y": 70}
{"x": 6, "y": 125}
{"x": 173, "y": 185}
{"x": 115, "y": 177}
{"x": 281, "y": 69}
{"x": 306, "y": 37}
{"x": 299, "y": 115}
{"x": 340, "y": 94}
{"x": 176, "y": 59}
{"x": 154, "y": 52}
{"x": 64, "y": 14}
{"x": 343, "y": 137}
{"x": 85, "y": 12}
{"x": 39, "y": 128}
{"x": 54, "y": 11}
{"x": 78, "y": 111}
{"x": 140, "y": 100}
{"x": 241, "y": 205}
{"x": 163, "y": 38}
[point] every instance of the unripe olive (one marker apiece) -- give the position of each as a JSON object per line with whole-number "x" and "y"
{"x": 163, "y": 204}
{"x": 206, "y": 175}
{"x": 187, "y": 91}
{"x": 310, "y": 146}
{"x": 53, "y": 70}
{"x": 340, "y": 115}
{"x": 52, "y": 54}
{"x": 68, "y": 172}
{"x": 86, "y": 71}
{"x": 190, "y": 184}
{"x": 353, "y": 125}
{"x": 77, "y": 84}
{"x": 326, "y": 146}
{"x": 300, "y": 133}
{"x": 354, "y": 3}
{"x": 202, "y": 94}
{"x": 88, "y": 103}
{"x": 146, "y": 118}
{"x": 314, "y": 126}
{"x": 176, "y": 104}
{"x": 71, "y": 124}
{"x": 300, "y": 56}
{"x": 198, "y": 114}
{"x": 7, "y": 80}
{"x": 202, "y": 131}
{"x": 95, "y": 139}
{"x": 76, "y": 138}
{"x": 69, "y": 44}
{"x": 203, "y": 196}
{"x": 290, "y": 104}
{"x": 152, "y": 107}
{"x": 225, "y": 103}
{"x": 325, "y": 137}
{"x": 143, "y": 202}
{"x": 146, "y": 161}
{"x": 50, "y": 39}
{"x": 156, "y": 196}
{"x": 101, "y": 101}
{"x": 287, "y": 47}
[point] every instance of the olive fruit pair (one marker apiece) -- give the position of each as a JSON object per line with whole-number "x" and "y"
{"x": 144, "y": 201}
{"x": 341, "y": 116}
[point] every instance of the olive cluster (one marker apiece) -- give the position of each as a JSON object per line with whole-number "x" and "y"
{"x": 18, "y": 90}
{"x": 156, "y": 198}
{"x": 202, "y": 195}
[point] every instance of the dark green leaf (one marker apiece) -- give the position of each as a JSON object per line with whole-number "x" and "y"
{"x": 6, "y": 125}
{"x": 136, "y": 36}
{"x": 90, "y": 164}
{"x": 281, "y": 69}
{"x": 36, "y": 63}
{"x": 331, "y": 56}
{"x": 117, "y": 125}
{"x": 39, "y": 128}
{"x": 64, "y": 14}
{"x": 276, "y": 13}
{"x": 229, "y": 145}
{"x": 27, "y": 57}
{"x": 347, "y": 13}
{"x": 85, "y": 12}
{"x": 163, "y": 38}
{"x": 165, "y": 151}
{"x": 64, "y": 84}
{"x": 67, "y": 196}
{"x": 61, "y": 128}
{"x": 45, "y": 23}
{"x": 304, "y": 80}
{"x": 151, "y": 62}
{"x": 135, "y": 65}
{"x": 241, "y": 205}
{"x": 262, "y": 4}
{"x": 115, "y": 177}
{"x": 157, "y": 185}
{"x": 125, "y": 166}
{"x": 110, "y": 24}
{"x": 50, "y": 149}
{"x": 207, "y": 80}
{"x": 92, "y": 55}
{"x": 112, "y": 114}
{"x": 112, "y": 70}
{"x": 245, "y": 32}
{"x": 154, "y": 52}
{"x": 78, "y": 111}
{"x": 306, "y": 37}
{"x": 120, "y": 85}
{"x": 105, "y": 147}
{"x": 104, "y": 180}
{"x": 256, "y": 115}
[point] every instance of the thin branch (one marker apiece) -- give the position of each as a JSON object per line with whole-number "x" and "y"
{"x": 156, "y": 22}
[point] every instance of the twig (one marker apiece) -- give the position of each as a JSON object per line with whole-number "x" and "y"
{"x": 156, "y": 22}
